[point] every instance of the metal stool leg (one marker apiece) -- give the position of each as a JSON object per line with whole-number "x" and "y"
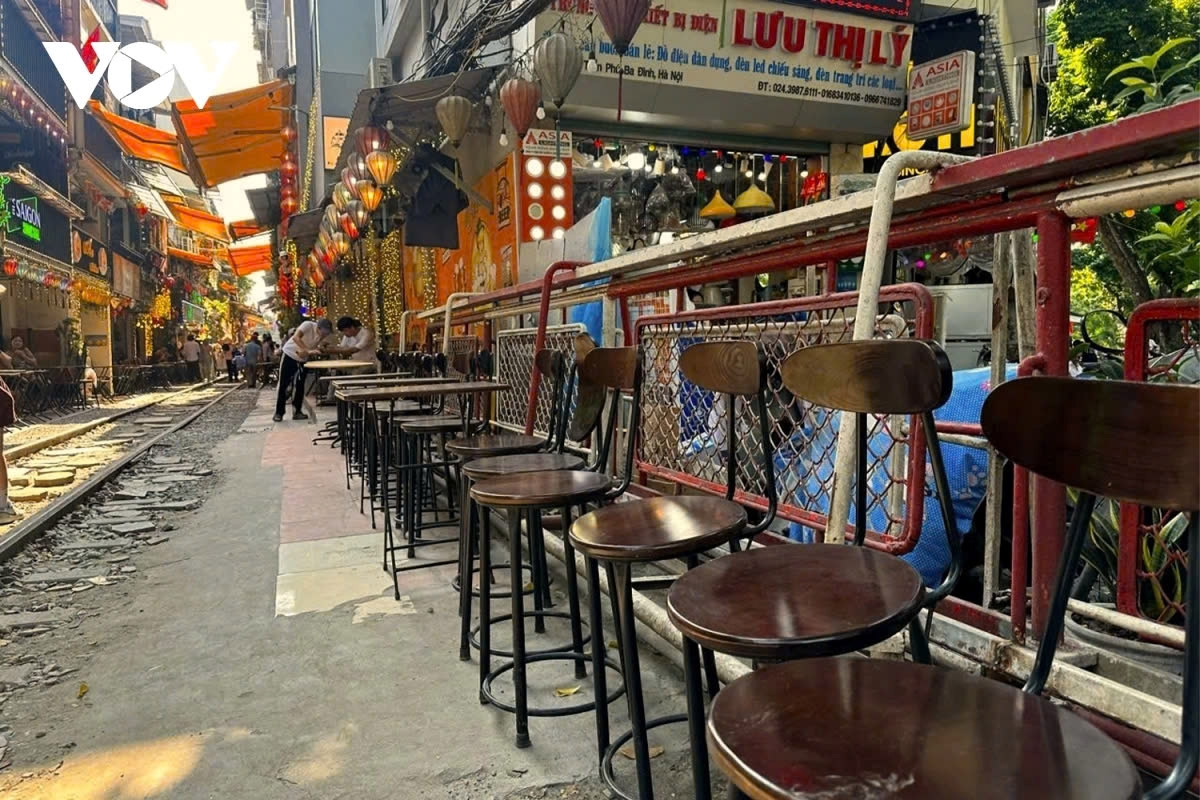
{"x": 599, "y": 678}
{"x": 623, "y": 590}
{"x": 573, "y": 596}
{"x": 485, "y": 598}
{"x": 520, "y": 688}
{"x": 696, "y": 719}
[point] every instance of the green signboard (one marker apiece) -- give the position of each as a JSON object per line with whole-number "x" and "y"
{"x": 20, "y": 214}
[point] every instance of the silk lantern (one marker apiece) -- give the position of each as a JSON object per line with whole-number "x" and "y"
{"x": 370, "y": 139}
{"x": 358, "y": 166}
{"x": 349, "y": 179}
{"x": 621, "y": 20}
{"x": 288, "y": 166}
{"x": 382, "y": 166}
{"x": 557, "y": 63}
{"x": 342, "y": 196}
{"x": 288, "y": 133}
{"x": 454, "y": 113}
{"x": 348, "y": 227}
{"x": 358, "y": 212}
{"x": 370, "y": 195}
{"x": 288, "y": 205}
{"x": 331, "y": 219}
{"x": 520, "y": 99}
{"x": 340, "y": 243}
{"x": 754, "y": 201}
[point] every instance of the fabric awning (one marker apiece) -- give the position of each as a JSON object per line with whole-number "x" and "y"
{"x": 197, "y": 221}
{"x": 139, "y": 141}
{"x": 246, "y": 228}
{"x": 199, "y": 259}
{"x": 302, "y": 229}
{"x": 150, "y": 199}
{"x": 248, "y": 260}
{"x": 235, "y": 134}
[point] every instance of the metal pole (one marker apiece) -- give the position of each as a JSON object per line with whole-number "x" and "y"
{"x": 1049, "y": 497}
{"x": 1001, "y": 282}
{"x": 868, "y": 303}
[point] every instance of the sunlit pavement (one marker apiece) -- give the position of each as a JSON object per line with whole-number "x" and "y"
{"x": 261, "y": 655}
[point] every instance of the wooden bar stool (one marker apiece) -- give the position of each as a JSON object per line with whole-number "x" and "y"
{"x": 582, "y": 424}
{"x": 552, "y": 366}
{"x": 797, "y": 729}
{"x": 526, "y": 495}
{"x": 621, "y": 535}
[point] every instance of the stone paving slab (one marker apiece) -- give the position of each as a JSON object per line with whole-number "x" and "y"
{"x": 98, "y": 544}
{"x": 68, "y": 576}
{"x": 34, "y": 619}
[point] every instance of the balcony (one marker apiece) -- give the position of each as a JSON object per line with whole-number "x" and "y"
{"x": 24, "y": 53}
{"x": 101, "y": 146}
{"x": 51, "y": 13}
{"x": 106, "y": 13}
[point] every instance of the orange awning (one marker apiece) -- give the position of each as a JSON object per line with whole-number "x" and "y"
{"x": 246, "y": 228}
{"x": 198, "y": 221}
{"x": 235, "y": 134}
{"x": 199, "y": 259}
{"x": 139, "y": 141}
{"x": 248, "y": 260}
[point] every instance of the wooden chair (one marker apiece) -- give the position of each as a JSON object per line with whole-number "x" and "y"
{"x": 661, "y": 528}
{"x": 614, "y": 371}
{"x": 833, "y": 727}
{"x": 806, "y": 600}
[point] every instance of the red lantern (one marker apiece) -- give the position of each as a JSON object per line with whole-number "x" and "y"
{"x": 348, "y": 226}
{"x": 701, "y": 174}
{"x": 520, "y": 99}
{"x": 169, "y": 282}
{"x": 369, "y": 139}
{"x": 288, "y": 168}
{"x": 10, "y": 266}
{"x": 288, "y": 133}
{"x": 288, "y": 205}
{"x": 621, "y": 20}
{"x": 1181, "y": 205}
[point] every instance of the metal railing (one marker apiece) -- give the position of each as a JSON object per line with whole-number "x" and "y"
{"x": 23, "y": 50}
{"x": 101, "y": 146}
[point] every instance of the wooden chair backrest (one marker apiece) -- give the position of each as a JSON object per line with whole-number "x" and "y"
{"x": 1137, "y": 442}
{"x": 611, "y": 367}
{"x": 877, "y": 376}
{"x": 730, "y": 367}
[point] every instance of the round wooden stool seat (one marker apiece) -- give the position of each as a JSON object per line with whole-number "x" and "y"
{"x": 541, "y": 489}
{"x": 848, "y": 727}
{"x": 484, "y": 468}
{"x": 495, "y": 445}
{"x": 795, "y": 600}
{"x": 657, "y": 528}
{"x": 432, "y": 424}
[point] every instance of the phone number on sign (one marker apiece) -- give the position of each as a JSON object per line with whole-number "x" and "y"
{"x": 796, "y": 90}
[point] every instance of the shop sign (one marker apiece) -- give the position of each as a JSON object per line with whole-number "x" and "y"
{"x": 542, "y": 142}
{"x": 20, "y": 215}
{"x": 335, "y": 137}
{"x": 940, "y": 95}
{"x": 99, "y": 340}
{"x": 127, "y": 278}
{"x": 89, "y": 254}
{"x": 760, "y": 48}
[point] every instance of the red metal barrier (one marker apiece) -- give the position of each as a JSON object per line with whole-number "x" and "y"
{"x": 670, "y": 417}
{"x": 548, "y": 286}
{"x": 1136, "y": 532}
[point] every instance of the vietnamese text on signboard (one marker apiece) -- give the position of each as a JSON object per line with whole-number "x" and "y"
{"x": 20, "y": 215}
{"x": 759, "y": 47}
{"x": 89, "y": 254}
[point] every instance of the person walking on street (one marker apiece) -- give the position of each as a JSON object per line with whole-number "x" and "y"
{"x": 191, "y": 357}
{"x": 252, "y": 352}
{"x": 303, "y": 343}
{"x": 230, "y": 364}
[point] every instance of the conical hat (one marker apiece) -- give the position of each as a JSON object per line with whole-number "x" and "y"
{"x": 718, "y": 208}
{"x": 754, "y": 201}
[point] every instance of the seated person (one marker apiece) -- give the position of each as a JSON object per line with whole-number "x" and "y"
{"x": 22, "y": 356}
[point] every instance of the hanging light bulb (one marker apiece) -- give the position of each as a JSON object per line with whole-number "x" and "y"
{"x": 719, "y": 168}
{"x": 592, "y": 64}
{"x": 674, "y": 169}
{"x": 503, "y": 139}
{"x": 635, "y": 160}
{"x": 541, "y": 112}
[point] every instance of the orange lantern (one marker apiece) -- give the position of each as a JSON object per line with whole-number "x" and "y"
{"x": 382, "y": 165}
{"x": 370, "y": 194}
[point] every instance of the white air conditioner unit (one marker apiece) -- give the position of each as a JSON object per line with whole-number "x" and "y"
{"x": 381, "y": 73}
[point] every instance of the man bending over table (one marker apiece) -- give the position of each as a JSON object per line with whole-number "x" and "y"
{"x": 304, "y": 343}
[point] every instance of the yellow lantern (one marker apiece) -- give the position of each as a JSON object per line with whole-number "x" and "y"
{"x": 754, "y": 201}
{"x": 382, "y": 165}
{"x": 718, "y": 208}
{"x": 340, "y": 243}
{"x": 370, "y": 194}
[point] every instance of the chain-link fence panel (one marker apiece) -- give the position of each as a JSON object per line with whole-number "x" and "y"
{"x": 684, "y": 431}
{"x": 462, "y": 349}
{"x": 1162, "y": 346}
{"x": 514, "y": 366}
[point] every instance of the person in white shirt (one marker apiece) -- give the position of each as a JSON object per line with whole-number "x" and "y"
{"x": 303, "y": 343}
{"x": 191, "y": 357}
{"x": 358, "y": 341}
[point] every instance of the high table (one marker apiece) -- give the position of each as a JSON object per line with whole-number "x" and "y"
{"x": 328, "y": 366}
{"x": 408, "y": 469}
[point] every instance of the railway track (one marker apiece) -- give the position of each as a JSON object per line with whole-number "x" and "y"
{"x": 51, "y": 479}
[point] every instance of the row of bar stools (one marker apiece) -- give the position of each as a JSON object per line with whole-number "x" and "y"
{"x": 524, "y": 496}
{"x": 662, "y": 528}
{"x": 796, "y": 728}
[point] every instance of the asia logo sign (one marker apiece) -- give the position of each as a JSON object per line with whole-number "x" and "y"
{"x": 20, "y": 214}
{"x": 940, "y": 95}
{"x": 198, "y": 75}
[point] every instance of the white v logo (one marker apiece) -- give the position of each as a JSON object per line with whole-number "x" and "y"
{"x": 200, "y": 83}
{"x": 69, "y": 63}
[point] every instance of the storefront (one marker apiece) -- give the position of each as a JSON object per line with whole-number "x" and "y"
{"x": 41, "y": 304}
{"x": 92, "y": 260}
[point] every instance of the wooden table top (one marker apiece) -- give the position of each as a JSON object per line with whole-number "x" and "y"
{"x": 389, "y": 377}
{"x": 339, "y": 363}
{"x": 411, "y": 391}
